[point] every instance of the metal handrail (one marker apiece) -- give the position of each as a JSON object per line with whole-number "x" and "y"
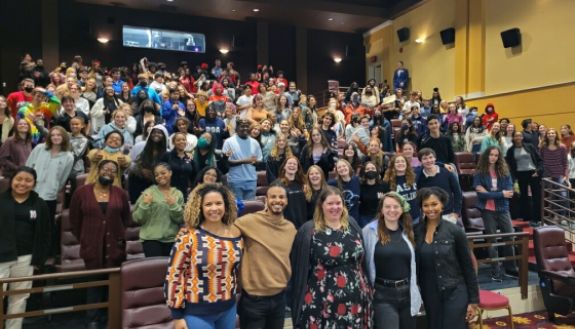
{"x": 113, "y": 282}
{"x": 557, "y": 207}
{"x": 523, "y": 241}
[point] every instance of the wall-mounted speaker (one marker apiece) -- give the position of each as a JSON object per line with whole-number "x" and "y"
{"x": 447, "y": 36}
{"x": 511, "y": 38}
{"x": 403, "y": 34}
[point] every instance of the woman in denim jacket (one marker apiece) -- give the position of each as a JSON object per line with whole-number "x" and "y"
{"x": 444, "y": 269}
{"x": 390, "y": 264}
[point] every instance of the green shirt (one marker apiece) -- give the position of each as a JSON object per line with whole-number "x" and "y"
{"x": 159, "y": 221}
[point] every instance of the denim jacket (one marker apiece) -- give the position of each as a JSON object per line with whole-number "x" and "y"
{"x": 503, "y": 183}
{"x": 369, "y": 241}
{"x": 453, "y": 264}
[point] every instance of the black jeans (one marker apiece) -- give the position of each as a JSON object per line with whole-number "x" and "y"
{"x": 153, "y": 248}
{"x": 531, "y": 209}
{"x": 448, "y": 309}
{"x": 392, "y": 308}
{"x": 262, "y": 312}
{"x": 494, "y": 220}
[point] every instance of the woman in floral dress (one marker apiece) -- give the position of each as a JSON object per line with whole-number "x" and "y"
{"x": 330, "y": 288}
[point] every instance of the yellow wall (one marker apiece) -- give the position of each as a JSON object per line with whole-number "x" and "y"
{"x": 478, "y": 66}
{"x": 438, "y": 69}
{"x": 549, "y": 106}
{"x": 547, "y": 54}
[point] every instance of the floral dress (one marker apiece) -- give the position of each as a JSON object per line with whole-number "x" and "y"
{"x": 338, "y": 295}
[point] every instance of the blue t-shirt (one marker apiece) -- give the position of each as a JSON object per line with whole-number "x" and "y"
{"x": 409, "y": 193}
{"x": 216, "y": 127}
{"x": 351, "y": 192}
{"x": 242, "y": 149}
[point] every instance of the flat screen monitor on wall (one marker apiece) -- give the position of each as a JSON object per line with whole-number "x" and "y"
{"x": 145, "y": 37}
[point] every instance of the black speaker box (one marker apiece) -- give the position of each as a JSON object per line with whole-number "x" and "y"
{"x": 511, "y": 38}
{"x": 403, "y": 34}
{"x": 447, "y": 36}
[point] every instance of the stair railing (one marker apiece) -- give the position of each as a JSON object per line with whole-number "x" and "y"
{"x": 558, "y": 206}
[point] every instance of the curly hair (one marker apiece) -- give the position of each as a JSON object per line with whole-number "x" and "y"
{"x": 193, "y": 213}
{"x": 405, "y": 220}
{"x": 391, "y": 175}
{"x": 500, "y": 166}
{"x": 318, "y": 216}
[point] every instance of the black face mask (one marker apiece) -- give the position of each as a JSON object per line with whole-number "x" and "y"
{"x": 149, "y": 109}
{"x": 371, "y": 175}
{"x": 28, "y": 89}
{"x": 142, "y": 97}
{"x": 105, "y": 181}
{"x": 143, "y": 83}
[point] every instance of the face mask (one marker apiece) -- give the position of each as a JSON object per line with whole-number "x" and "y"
{"x": 203, "y": 143}
{"x": 404, "y": 126}
{"x": 142, "y": 97}
{"x": 143, "y": 83}
{"x": 105, "y": 181}
{"x": 371, "y": 175}
{"x": 112, "y": 149}
{"x": 29, "y": 89}
{"x": 149, "y": 109}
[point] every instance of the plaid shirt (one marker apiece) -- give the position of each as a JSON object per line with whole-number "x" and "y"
{"x": 503, "y": 183}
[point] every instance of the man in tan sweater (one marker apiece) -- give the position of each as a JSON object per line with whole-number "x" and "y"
{"x": 265, "y": 268}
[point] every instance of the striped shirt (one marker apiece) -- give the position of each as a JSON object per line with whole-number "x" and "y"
{"x": 554, "y": 161}
{"x": 203, "y": 273}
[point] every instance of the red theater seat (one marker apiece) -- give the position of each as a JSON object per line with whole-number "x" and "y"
{"x": 143, "y": 303}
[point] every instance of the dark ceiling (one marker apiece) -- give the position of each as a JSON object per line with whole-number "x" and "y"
{"x": 332, "y": 15}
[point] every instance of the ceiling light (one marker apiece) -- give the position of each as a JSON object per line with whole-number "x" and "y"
{"x": 224, "y": 51}
{"x": 255, "y": 10}
{"x": 234, "y": 10}
{"x": 330, "y": 19}
{"x": 420, "y": 40}
{"x": 170, "y": 0}
{"x": 337, "y": 59}
{"x": 103, "y": 40}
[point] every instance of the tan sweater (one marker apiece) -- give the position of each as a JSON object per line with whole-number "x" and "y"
{"x": 265, "y": 268}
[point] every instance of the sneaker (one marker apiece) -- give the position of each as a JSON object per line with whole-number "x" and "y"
{"x": 496, "y": 276}
{"x": 512, "y": 273}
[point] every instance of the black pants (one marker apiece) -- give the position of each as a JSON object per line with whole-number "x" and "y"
{"x": 97, "y": 295}
{"x": 448, "y": 309}
{"x": 262, "y": 312}
{"x": 392, "y": 308}
{"x": 153, "y": 248}
{"x": 531, "y": 208}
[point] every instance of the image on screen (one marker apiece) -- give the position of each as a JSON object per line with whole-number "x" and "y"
{"x": 145, "y": 37}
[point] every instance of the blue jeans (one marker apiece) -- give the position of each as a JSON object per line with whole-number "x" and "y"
{"x": 244, "y": 190}
{"x": 222, "y": 320}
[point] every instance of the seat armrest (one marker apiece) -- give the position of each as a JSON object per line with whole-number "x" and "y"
{"x": 567, "y": 279}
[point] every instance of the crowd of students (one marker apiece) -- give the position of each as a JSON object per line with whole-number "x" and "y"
{"x": 371, "y": 210}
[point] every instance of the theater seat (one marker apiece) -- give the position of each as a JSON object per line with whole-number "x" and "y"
{"x": 251, "y": 206}
{"x": 466, "y": 165}
{"x": 134, "y": 248}
{"x": 262, "y": 178}
{"x": 471, "y": 215}
{"x": 4, "y": 184}
{"x": 69, "y": 247}
{"x": 143, "y": 303}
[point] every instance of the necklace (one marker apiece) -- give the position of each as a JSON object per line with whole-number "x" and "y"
{"x": 101, "y": 195}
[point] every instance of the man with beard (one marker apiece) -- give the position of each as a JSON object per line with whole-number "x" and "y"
{"x": 243, "y": 153}
{"x": 265, "y": 268}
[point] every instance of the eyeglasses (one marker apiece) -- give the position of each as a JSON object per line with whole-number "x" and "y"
{"x": 109, "y": 170}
